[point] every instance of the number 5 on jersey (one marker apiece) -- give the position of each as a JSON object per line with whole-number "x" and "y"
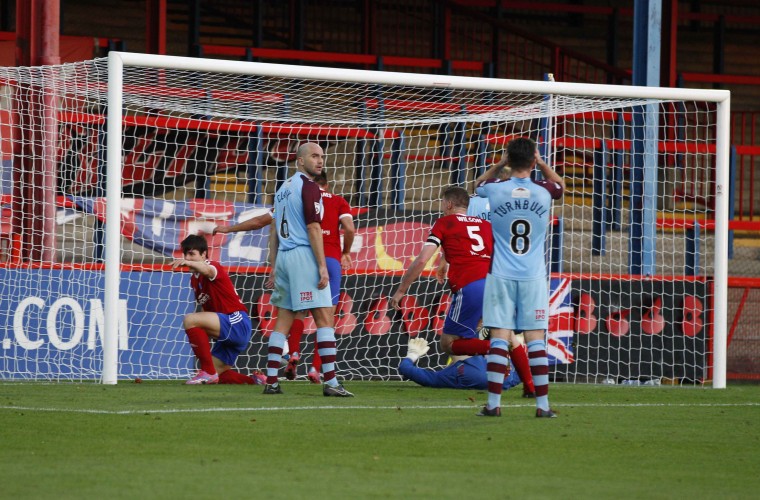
{"x": 478, "y": 244}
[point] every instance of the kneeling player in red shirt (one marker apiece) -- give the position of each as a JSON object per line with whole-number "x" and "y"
{"x": 224, "y": 318}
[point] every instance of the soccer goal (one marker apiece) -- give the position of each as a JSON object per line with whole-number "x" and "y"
{"x": 109, "y": 164}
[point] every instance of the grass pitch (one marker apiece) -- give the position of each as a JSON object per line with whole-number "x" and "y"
{"x": 393, "y": 440}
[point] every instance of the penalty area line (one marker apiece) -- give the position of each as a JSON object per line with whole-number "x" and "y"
{"x": 364, "y": 407}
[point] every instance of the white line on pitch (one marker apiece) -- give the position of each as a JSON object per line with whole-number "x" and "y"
{"x": 214, "y": 410}
{"x": 367, "y": 407}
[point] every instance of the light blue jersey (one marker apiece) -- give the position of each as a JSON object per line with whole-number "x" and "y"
{"x": 520, "y": 215}
{"x": 297, "y": 204}
{"x": 479, "y": 207}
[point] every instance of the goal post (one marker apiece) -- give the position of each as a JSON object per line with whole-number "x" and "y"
{"x": 309, "y": 74}
{"x": 113, "y": 219}
{"x": 161, "y": 147}
{"x": 723, "y": 190}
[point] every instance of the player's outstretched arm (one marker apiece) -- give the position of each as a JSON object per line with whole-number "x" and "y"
{"x": 412, "y": 273}
{"x": 252, "y": 224}
{"x": 426, "y": 378}
{"x": 197, "y": 266}
{"x": 448, "y": 377}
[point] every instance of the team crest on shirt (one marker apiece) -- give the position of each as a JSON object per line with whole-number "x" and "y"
{"x": 521, "y": 192}
{"x": 306, "y": 296}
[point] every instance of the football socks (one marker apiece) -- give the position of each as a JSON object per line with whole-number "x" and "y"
{"x": 539, "y": 368}
{"x": 469, "y": 347}
{"x": 199, "y": 343}
{"x": 326, "y": 349}
{"x": 496, "y": 367}
{"x": 274, "y": 356}
{"x": 519, "y": 357}
{"x": 233, "y": 377}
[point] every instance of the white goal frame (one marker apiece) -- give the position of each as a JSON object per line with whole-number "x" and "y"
{"x": 117, "y": 61}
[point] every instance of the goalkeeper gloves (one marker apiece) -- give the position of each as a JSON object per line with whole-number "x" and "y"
{"x": 417, "y": 348}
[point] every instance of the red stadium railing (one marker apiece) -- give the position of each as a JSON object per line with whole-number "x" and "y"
{"x": 341, "y": 59}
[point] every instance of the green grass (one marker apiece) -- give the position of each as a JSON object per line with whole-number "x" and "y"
{"x": 393, "y": 440}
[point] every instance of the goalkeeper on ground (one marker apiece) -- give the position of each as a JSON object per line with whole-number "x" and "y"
{"x": 467, "y": 373}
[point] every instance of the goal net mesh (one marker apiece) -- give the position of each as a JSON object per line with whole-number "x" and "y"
{"x": 629, "y": 255}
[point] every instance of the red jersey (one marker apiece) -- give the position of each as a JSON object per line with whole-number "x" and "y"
{"x": 217, "y": 295}
{"x": 334, "y": 209}
{"x": 467, "y": 244}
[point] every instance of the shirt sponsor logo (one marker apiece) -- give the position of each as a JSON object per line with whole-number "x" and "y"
{"x": 521, "y": 192}
{"x": 540, "y": 314}
{"x": 306, "y": 296}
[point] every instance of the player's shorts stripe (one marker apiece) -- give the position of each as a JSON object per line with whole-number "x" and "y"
{"x": 456, "y": 306}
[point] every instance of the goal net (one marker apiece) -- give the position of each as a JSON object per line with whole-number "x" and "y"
{"x": 109, "y": 164}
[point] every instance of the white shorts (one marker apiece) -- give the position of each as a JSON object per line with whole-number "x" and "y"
{"x": 516, "y": 305}
{"x": 296, "y": 279}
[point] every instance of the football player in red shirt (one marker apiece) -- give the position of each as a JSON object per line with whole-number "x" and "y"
{"x": 224, "y": 318}
{"x": 467, "y": 245}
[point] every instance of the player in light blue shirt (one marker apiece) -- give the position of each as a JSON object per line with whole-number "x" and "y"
{"x": 520, "y": 210}
{"x": 301, "y": 280}
{"x": 297, "y": 203}
{"x": 479, "y": 207}
{"x": 516, "y": 291}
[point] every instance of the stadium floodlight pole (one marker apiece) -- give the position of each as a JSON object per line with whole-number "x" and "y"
{"x": 119, "y": 60}
{"x": 113, "y": 221}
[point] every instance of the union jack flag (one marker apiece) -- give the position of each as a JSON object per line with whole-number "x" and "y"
{"x": 561, "y": 322}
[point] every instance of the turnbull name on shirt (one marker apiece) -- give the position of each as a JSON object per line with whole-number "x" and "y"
{"x": 508, "y": 206}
